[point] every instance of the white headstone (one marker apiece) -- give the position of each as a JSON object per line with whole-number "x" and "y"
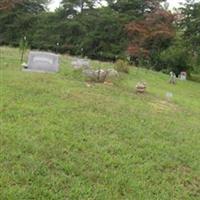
{"x": 43, "y": 62}
{"x": 183, "y": 76}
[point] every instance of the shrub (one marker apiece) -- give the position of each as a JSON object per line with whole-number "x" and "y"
{"x": 176, "y": 59}
{"x": 122, "y": 66}
{"x": 195, "y": 77}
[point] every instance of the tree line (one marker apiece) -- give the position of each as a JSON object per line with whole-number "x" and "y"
{"x": 144, "y": 32}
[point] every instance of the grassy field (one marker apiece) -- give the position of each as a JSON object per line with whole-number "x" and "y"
{"x": 63, "y": 140}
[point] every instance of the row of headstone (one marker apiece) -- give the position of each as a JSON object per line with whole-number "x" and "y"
{"x": 173, "y": 78}
{"x": 49, "y": 62}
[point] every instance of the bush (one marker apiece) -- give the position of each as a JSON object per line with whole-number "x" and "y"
{"x": 176, "y": 58}
{"x": 196, "y": 64}
{"x": 195, "y": 77}
{"x": 122, "y": 66}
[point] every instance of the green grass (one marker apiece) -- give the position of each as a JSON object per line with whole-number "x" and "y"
{"x": 63, "y": 140}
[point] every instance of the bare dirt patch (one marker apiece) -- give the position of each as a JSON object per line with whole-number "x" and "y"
{"x": 163, "y": 106}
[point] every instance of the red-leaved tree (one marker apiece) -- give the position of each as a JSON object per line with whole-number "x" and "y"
{"x": 151, "y": 35}
{"x": 9, "y": 4}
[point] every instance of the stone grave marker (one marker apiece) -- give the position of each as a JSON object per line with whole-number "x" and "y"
{"x": 172, "y": 79}
{"x": 169, "y": 95}
{"x": 80, "y": 64}
{"x": 42, "y": 62}
{"x": 183, "y": 76}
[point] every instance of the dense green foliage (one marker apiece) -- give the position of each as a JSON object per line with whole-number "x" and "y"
{"x": 106, "y": 32}
{"x": 61, "y": 139}
{"x": 175, "y": 58}
{"x": 191, "y": 27}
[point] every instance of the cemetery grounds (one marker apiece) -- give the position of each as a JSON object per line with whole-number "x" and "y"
{"x": 63, "y": 139}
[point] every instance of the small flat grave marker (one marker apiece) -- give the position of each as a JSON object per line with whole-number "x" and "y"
{"x": 169, "y": 96}
{"x": 42, "y": 62}
{"x": 80, "y": 64}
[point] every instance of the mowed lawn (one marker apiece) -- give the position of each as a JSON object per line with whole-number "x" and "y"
{"x": 61, "y": 139}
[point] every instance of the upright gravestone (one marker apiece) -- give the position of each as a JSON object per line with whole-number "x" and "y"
{"x": 183, "y": 76}
{"x": 172, "y": 79}
{"x": 43, "y": 62}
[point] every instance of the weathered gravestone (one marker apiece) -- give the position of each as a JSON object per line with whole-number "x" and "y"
{"x": 95, "y": 75}
{"x": 80, "y": 64}
{"x": 100, "y": 75}
{"x": 112, "y": 74}
{"x": 42, "y": 62}
{"x": 172, "y": 79}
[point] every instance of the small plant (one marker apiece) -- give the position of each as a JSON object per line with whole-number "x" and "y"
{"x": 23, "y": 46}
{"x": 122, "y": 66}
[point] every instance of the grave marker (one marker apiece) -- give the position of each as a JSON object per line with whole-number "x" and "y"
{"x": 183, "y": 76}
{"x": 43, "y": 62}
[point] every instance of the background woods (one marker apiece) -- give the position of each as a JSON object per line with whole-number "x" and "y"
{"x": 144, "y": 31}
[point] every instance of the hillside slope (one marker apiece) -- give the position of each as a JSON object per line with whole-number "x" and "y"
{"x": 63, "y": 140}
